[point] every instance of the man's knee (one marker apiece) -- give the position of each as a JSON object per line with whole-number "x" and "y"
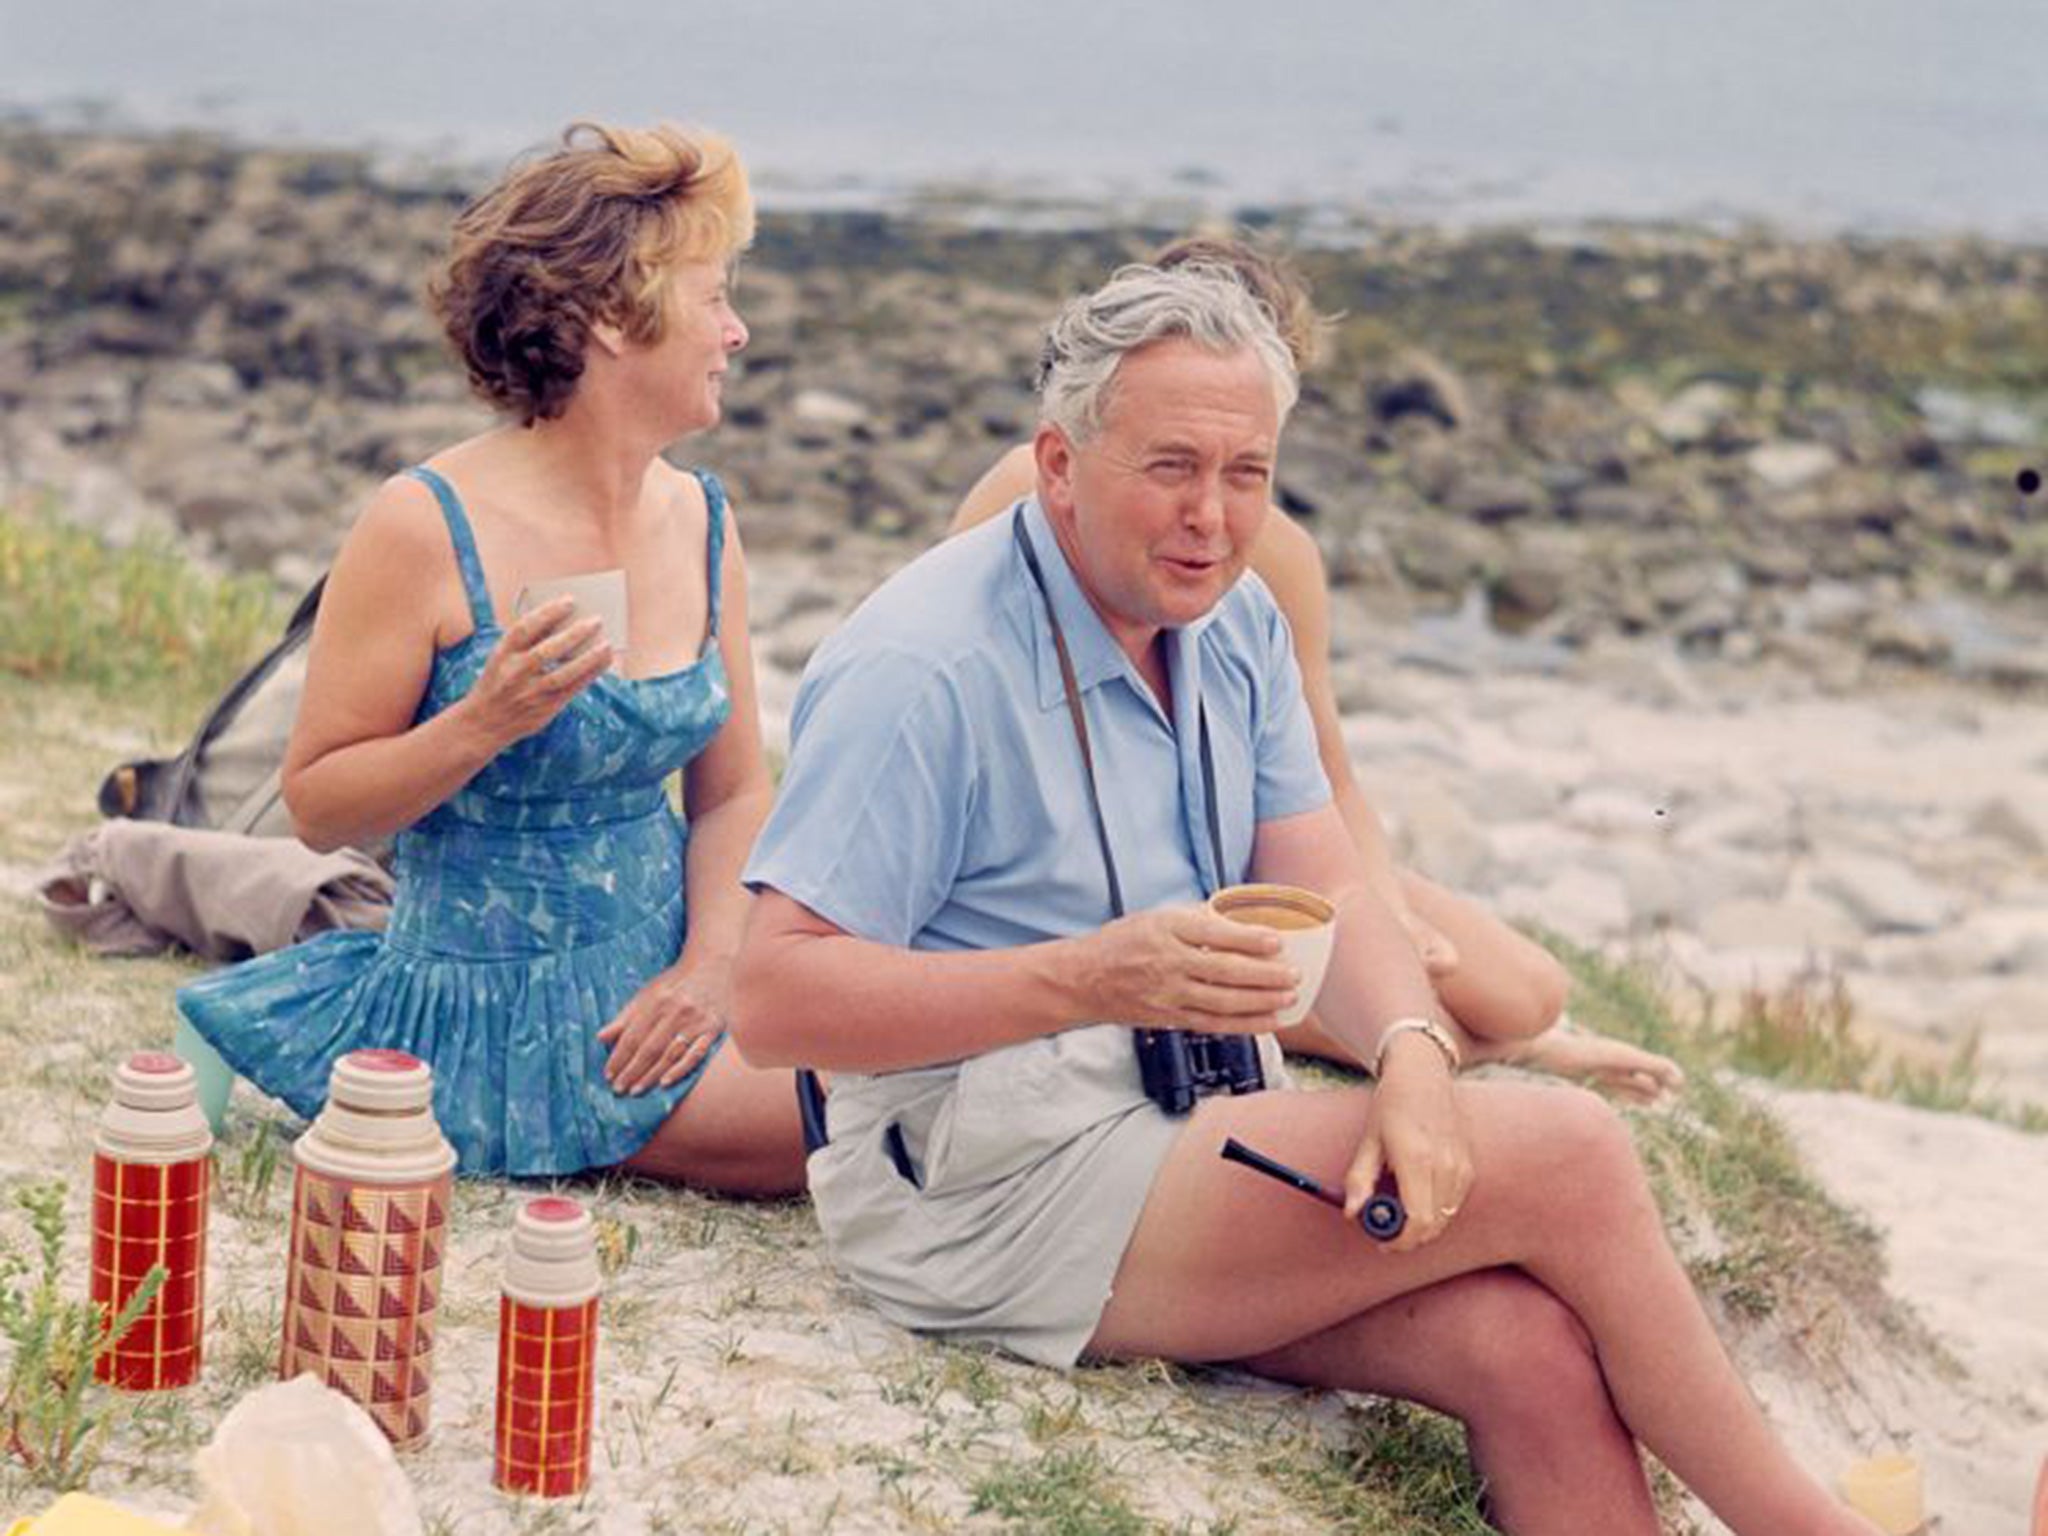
{"x": 1592, "y": 1169}
{"x": 1530, "y": 1357}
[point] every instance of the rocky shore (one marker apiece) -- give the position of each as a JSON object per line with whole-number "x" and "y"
{"x": 1685, "y": 591}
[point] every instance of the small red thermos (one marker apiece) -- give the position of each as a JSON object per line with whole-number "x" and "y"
{"x": 547, "y": 1350}
{"x": 150, "y": 1178}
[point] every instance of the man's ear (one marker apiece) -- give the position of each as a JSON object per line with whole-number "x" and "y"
{"x": 1053, "y": 454}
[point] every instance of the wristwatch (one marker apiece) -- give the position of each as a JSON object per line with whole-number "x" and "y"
{"x": 1430, "y": 1030}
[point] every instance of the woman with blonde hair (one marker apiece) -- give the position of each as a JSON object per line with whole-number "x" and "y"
{"x": 561, "y": 944}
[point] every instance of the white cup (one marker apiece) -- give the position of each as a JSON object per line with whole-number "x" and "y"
{"x": 599, "y": 594}
{"x": 1886, "y": 1490}
{"x": 1305, "y": 924}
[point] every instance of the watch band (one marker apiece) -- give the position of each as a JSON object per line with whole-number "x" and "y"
{"x": 1430, "y": 1030}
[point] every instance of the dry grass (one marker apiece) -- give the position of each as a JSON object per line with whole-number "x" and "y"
{"x": 743, "y": 1387}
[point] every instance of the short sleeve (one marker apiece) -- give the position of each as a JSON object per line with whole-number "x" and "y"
{"x": 871, "y": 818}
{"x": 1289, "y": 770}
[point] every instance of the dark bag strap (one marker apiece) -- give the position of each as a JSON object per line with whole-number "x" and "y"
{"x": 130, "y": 790}
{"x": 1072, "y": 686}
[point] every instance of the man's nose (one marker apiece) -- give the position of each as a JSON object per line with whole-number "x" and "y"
{"x": 1204, "y": 508}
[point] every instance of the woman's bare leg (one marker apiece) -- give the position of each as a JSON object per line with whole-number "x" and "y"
{"x": 1508, "y": 992}
{"x": 1499, "y": 1352}
{"x": 1225, "y": 1265}
{"x": 1506, "y": 986}
{"x": 735, "y": 1133}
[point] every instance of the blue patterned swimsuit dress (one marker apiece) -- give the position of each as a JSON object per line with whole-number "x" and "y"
{"x": 532, "y": 905}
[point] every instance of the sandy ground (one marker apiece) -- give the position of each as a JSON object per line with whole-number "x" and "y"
{"x": 746, "y": 1389}
{"x": 1961, "y": 1205}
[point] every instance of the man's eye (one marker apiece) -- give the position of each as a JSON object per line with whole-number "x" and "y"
{"x": 1250, "y": 475}
{"x": 1171, "y": 468}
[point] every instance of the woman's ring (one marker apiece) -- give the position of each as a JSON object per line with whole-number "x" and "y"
{"x": 1447, "y": 1211}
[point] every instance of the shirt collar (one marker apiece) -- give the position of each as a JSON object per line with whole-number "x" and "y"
{"x": 1093, "y": 650}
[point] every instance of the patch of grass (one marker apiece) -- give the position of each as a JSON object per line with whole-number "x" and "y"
{"x": 1804, "y": 1033}
{"x": 56, "y": 1421}
{"x": 248, "y": 1180}
{"x": 1398, "y": 1471}
{"x": 1773, "y": 1240}
{"x": 1060, "y": 1493}
{"x": 140, "y": 623}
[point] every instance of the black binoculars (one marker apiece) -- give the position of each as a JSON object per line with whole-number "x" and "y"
{"x": 1179, "y": 1066}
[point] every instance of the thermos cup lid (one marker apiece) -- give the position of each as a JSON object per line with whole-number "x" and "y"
{"x": 378, "y": 1123}
{"x": 552, "y": 1258}
{"x": 155, "y": 1080}
{"x": 381, "y": 1081}
{"x": 154, "y": 1114}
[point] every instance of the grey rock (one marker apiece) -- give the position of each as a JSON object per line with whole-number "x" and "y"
{"x": 1417, "y": 384}
{"x": 1896, "y": 637}
{"x": 1495, "y": 498}
{"x": 1691, "y": 416}
{"x": 1953, "y": 416}
{"x": 1438, "y": 834}
{"x": 1579, "y": 903}
{"x": 2020, "y": 826}
{"x": 1511, "y": 795}
{"x": 1529, "y": 590}
{"x": 1627, "y": 505}
{"x": 792, "y": 642}
{"x": 1799, "y": 922}
{"x": 196, "y": 384}
{"x": 1789, "y": 466}
{"x": 1883, "y": 894}
{"x": 1609, "y": 812}
{"x": 1439, "y": 555}
{"x": 1641, "y": 672}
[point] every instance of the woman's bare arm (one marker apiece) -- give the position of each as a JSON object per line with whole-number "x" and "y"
{"x": 1012, "y": 476}
{"x": 357, "y": 768}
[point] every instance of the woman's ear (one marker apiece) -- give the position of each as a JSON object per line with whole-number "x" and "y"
{"x": 605, "y": 334}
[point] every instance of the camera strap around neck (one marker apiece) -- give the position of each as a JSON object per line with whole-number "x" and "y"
{"x": 1074, "y": 711}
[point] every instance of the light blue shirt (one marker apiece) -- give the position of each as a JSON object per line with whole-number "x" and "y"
{"x": 935, "y": 796}
{"x": 935, "y": 799}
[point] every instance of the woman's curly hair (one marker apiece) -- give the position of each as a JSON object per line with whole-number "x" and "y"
{"x": 585, "y": 235}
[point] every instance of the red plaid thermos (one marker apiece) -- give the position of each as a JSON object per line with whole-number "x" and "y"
{"x": 369, "y": 1229}
{"x": 150, "y": 1175}
{"x": 547, "y": 1350}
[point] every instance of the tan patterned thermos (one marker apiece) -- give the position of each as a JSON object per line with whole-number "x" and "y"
{"x": 547, "y": 1350}
{"x": 369, "y": 1229}
{"x": 150, "y": 1177}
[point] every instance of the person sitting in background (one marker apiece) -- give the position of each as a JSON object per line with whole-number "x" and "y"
{"x": 1507, "y": 991}
{"x": 561, "y": 944}
{"x": 1014, "y": 773}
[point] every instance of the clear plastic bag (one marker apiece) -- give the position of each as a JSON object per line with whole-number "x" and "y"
{"x": 297, "y": 1458}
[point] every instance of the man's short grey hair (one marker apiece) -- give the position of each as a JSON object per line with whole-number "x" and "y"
{"x": 1140, "y": 305}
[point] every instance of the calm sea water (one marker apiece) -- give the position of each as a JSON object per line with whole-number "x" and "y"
{"x": 1875, "y": 115}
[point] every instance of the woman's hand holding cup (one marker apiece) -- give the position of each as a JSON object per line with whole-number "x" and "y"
{"x": 543, "y": 661}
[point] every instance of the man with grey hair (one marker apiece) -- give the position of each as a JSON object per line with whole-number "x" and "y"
{"x": 1015, "y": 773}
{"x": 992, "y": 1142}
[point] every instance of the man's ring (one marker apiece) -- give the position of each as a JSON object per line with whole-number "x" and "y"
{"x": 1447, "y": 1211}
